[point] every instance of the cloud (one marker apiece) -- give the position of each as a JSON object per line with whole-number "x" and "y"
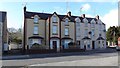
{"x": 85, "y": 7}
{"x": 111, "y": 18}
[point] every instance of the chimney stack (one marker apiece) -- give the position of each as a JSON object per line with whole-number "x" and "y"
{"x": 83, "y": 15}
{"x": 97, "y": 17}
{"x": 69, "y": 14}
{"x": 25, "y": 9}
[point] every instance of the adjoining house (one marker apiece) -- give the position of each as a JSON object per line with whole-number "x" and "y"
{"x": 56, "y": 31}
{"x": 3, "y": 32}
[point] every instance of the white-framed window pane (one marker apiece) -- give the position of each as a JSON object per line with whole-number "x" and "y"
{"x": 54, "y": 29}
{"x": 93, "y": 25}
{"x": 66, "y": 21}
{"x": 93, "y": 32}
{"x": 86, "y": 24}
{"x": 66, "y": 31}
{"x": 35, "y": 20}
{"x": 86, "y": 32}
{"x": 54, "y": 19}
{"x": 35, "y": 29}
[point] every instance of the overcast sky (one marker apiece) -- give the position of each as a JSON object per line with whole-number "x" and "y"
{"x": 108, "y": 11}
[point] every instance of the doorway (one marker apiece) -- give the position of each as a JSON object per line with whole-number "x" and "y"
{"x": 55, "y": 45}
{"x": 93, "y": 44}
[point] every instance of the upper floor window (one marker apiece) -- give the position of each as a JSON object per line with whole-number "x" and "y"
{"x": 35, "y": 29}
{"x": 35, "y": 20}
{"x": 86, "y": 24}
{"x": 93, "y": 24}
{"x": 86, "y": 32}
{"x": 0, "y": 29}
{"x": 100, "y": 26}
{"x": 54, "y": 29}
{"x": 66, "y": 31}
{"x": 54, "y": 19}
{"x": 77, "y": 19}
{"x": 66, "y": 21}
{"x": 93, "y": 32}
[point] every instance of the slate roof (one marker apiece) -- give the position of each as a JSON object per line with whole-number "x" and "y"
{"x": 45, "y": 16}
{"x": 2, "y": 16}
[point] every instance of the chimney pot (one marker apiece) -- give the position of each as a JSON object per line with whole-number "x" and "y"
{"x": 25, "y": 9}
{"x": 97, "y": 17}
{"x": 69, "y": 14}
{"x": 83, "y": 15}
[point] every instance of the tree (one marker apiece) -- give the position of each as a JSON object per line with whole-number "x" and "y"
{"x": 15, "y": 35}
{"x": 112, "y": 34}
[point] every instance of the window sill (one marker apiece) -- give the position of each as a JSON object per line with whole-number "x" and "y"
{"x": 66, "y": 24}
{"x": 35, "y": 34}
{"x": 54, "y": 34}
{"x": 36, "y": 23}
{"x": 55, "y": 22}
{"x": 66, "y": 35}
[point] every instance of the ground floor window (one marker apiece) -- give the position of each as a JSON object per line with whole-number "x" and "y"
{"x": 65, "y": 44}
{"x": 88, "y": 45}
{"x": 34, "y": 42}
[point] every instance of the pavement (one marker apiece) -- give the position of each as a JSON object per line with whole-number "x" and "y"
{"x": 90, "y": 57}
{"x": 108, "y": 50}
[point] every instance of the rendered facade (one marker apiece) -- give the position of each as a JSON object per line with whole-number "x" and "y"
{"x": 3, "y": 31}
{"x": 56, "y": 31}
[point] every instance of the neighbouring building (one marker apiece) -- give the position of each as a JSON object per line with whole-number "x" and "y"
{"x": 56, "y": 31}
{"x": 3, "y": 31}
{"x": 118, "y": 13}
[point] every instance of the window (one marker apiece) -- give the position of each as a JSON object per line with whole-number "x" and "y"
{"x": 93, "y": 25}
{"x": 35, "y": 20}
{"x": 93, "y": 32}
{"x": 54, "y": 29}
{"x": 86, "y": 24}
{"x": 54, "y": 19}
{"x": 77, "y": 20}
{"x": 35, "y": 29}
{"x": 0, "y": 29}
{"x": 66, "y": 31}
{"x": 86, "y": 32}
{"x": 30, "y": 41}
{"x": 66, "y": 21}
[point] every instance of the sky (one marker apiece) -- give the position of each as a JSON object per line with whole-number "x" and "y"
{"x": 108, "y": 11}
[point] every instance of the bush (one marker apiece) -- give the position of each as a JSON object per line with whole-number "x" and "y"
{"x": 38, "y": 46}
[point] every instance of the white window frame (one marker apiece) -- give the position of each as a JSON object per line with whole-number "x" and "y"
{"x": 66, "y": 21}
{"x": 54, "y": 29}
{"x": 93, "y": 32}
{"x": 86, "y": 32}
{"x": 93, "y": 24}
{"x": 36, "y": 20}
{"x": 36, "y": 29}
{"x": 54, "y": 19}
{"x": 66, "y": 31}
